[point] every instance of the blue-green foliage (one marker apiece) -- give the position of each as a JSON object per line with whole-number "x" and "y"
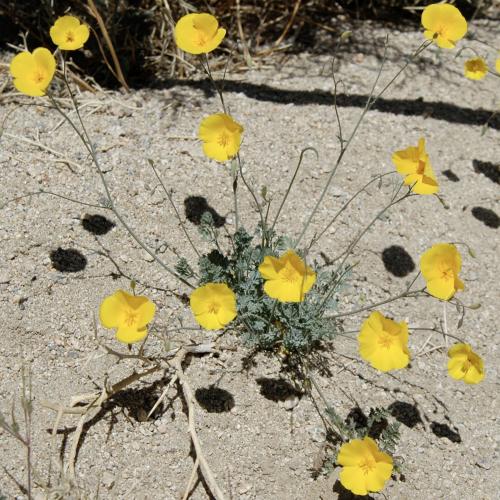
{"x": 266, "y": 323}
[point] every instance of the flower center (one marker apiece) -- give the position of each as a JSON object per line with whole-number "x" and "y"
{"x": 475, "y": 66}
{"x": 131, "y": 317}
{"x": 421, "y": 167}
{"x": 289, "y": 274}
{"x": 223, "y": 140}
{"x": 385, "y": 340}
{"x": 367, "y": 464}
{"x": 467, "y": 364}
{"x": 39, "y": 76}
{"x": 213, "y": 308}
{"x": 70, "y": 37}
{"x": 201, "y": 39}
{"x": 447, "y": 274}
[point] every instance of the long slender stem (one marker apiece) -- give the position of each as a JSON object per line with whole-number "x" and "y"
{"x": 406, "y": 293}
{"x": 343, "y": 149}
{"x": 369, "y": 104}
{"x": 254, "y": 196}
{"x": 42, "y": 191}
{"x": 169, "y": 196}
{"x": 85, "y": 138}
{"x": 234, "y": 177}
{"x": 327, "y": 405}
{"x": 356, "y": 240}
{"x": 297, "y": 168}
{"x": 344, "y": 207}
{"x": 216, "y": 87}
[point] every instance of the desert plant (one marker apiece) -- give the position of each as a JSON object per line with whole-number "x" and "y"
{"x": 264, "y": 286}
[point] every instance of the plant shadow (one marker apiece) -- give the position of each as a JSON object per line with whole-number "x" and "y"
{"x": 488, "y": 169}
{"x": 397, "y": 261}
{"x": 487, "y": 216}
{"x": 277, "y": 389}
{"x": 68, "y": 260}
{"x": 214, "y": 400}
{"x": 196, "y": 206}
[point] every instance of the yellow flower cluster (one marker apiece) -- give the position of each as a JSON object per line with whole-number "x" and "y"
{"x": 287, "y": 279}
{"x": 220, "y": 133}
{"x": 33, "y": 71}
{"x": 384, "y": 343}
{"x": 445, "y": 26}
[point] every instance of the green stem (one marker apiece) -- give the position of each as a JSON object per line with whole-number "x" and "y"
{"x": 406, "y": 293}
{"x": 90, "y": 148}
{"x": 291, "y": 183}
{"x": 169, "y": 196}
{"x": 356, "y": 240}
{"x": 234, "y": 177}
{"x": 369, "y": 104}
{"x": 344, "y": 207}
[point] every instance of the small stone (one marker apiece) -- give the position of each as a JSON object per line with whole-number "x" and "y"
{"x": 146, "y": 256}
{"x": 108, "y": 480}
{"x": 291, "y": 402}
{"x": 4, "y": 277}
{"x": 318, "y": 434}
{"x": 244, "y": 488}
{"x": 163, "y": 428}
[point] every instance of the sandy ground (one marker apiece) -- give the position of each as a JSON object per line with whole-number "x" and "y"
{"x": 257, "y": 448}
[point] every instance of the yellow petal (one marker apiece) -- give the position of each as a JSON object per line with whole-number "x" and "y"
{"x": 146, "y": 313}
{"x": 22, "y": 65}
{"x": 282, "y": 291}
{"x": 444, "y": 43}
{"x": 209, "y": 321}
{"x": 351, "y": 452}
{"x": 473, "y": 375}
{"x": 375, "y": 480}
{"x": 353, "y": 479}
{"x": 459, "y": 349}
{"x": 270, "y": 267}
{"x": 226, "y": 315}
{"x": 216, "y": 40}
{"x": 111, "y": 311}
{"x": 441, "y": 289}
{"x": 130, "y": 335}
{"x": 65, "y": 23}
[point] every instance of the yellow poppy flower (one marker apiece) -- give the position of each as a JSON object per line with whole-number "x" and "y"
{"x": 440, "y": 266}
{"x": 413, "y": 163}
{"x": 497, "y": 64}
{"x": 221, "y": 136}
{"x": 364, "y": 467}
{"x": 384, "y": 343}
{"x": 129, "y": 314}
{"x": 213, "y": 305}
{"x": 464, "y": 364}
{"x": 68, "y": 33}
{"x": 33, "y": 72}
{"x": 198, "y": 33}
{"x": 444, "y": 24}
{"x": 288, "y": 279}
{"x": 475, "y": 68}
